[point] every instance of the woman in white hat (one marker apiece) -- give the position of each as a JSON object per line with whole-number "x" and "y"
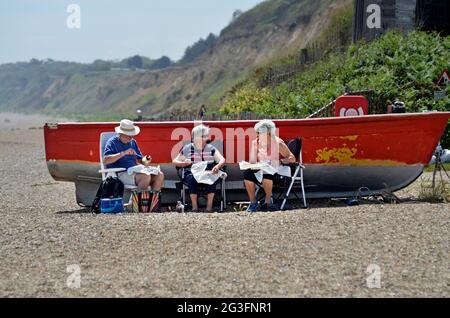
{"x": 122, "y": 151}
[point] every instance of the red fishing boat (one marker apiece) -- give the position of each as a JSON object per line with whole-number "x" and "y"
{"x": 341, "y": 155}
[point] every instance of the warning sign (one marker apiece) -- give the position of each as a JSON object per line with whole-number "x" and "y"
{"x": 444, "y": 79}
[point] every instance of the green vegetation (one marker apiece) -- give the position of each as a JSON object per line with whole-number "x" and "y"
{"x": 198, "y": 48}
{"x": 430, "y": 168}
{"x": 257, "y": 65}
{"x": 71, "y": 89}
{"x": 142, "y": 62}
{"x": 161, "y": 63}
{"x": 440, "y": 192}
{"x": 264, "y": 95}
{"x": 135, "y": 62}
{"x": 208, "y": 69}
{"x": 394, "y": 66}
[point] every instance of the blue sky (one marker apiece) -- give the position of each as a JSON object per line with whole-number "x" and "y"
{"x": 109, "y": 29}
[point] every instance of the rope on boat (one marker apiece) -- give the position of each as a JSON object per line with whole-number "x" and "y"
{"x": 386, "y": 196}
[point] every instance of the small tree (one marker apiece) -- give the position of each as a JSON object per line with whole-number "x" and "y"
{"x": 100, "y": 65}
{"x": 198, "y": 48}
{"x": 135, "y": 62}
{"x": 236, "y": 15}
{"x": 161, "y": 63}
{"x": 34, "y": 61}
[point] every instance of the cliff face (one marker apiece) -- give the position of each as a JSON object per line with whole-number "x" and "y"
{"x": 268, "y": 31}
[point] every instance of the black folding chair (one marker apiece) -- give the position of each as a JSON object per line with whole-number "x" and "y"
{"x": 287, "y": 184}
{"x": 184, "y": 189}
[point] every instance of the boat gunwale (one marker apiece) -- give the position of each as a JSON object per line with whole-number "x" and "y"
{"x": 280, "y": 122}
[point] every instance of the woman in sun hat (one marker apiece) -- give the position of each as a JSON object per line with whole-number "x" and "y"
{"x": 122, "y": 151}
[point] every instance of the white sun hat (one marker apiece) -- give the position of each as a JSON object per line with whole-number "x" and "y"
{"x": 128, "y": 128}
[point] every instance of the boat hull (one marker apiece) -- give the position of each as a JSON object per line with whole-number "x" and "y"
{"x": 342, "y": 155}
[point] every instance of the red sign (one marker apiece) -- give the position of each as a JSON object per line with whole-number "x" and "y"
{"x": 351, "y": 106}
{"x": 444, "y": 79}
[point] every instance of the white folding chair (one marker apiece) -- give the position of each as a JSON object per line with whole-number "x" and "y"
{"x": 111, "y": 172}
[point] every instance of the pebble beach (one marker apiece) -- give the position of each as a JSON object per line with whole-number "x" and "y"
{"x": 328, "y": 250}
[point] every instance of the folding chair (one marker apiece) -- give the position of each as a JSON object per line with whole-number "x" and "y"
{"x": 296, "y": 179}
{"x": 184, "y": 188}
{"x": 104, "y": 137}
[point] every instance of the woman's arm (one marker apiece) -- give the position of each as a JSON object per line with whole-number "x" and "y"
{"x": 181, "y": 161}
{"x": 288, "y": 157}
{"x": 253, "y": 152}
{"x": 220, "y": 161}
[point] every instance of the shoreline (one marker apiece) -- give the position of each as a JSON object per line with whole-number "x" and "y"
{"x": 12, "y": 120}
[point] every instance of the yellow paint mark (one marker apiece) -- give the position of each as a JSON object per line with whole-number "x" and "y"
{"x": 351, "y": 138}
{"x": 343, "y": 154}
{"x": 368, "y": 162}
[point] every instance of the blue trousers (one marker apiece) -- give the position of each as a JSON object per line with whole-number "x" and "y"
{"x": 193, "y": 185}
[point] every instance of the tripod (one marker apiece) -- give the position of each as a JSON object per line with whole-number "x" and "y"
{"x": 438, "y": 167}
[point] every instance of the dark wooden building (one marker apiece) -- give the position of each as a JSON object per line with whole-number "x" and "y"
{"x": 373, "y": 17}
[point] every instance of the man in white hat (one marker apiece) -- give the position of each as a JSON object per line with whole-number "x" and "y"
{"x": 122, "y": 151}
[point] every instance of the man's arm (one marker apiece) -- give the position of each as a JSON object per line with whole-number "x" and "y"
{"x": 138, "y": 152}
{"x": 109, "y": 159}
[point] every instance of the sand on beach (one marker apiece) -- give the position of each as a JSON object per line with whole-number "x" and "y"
{"x": 48, "y": 242}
